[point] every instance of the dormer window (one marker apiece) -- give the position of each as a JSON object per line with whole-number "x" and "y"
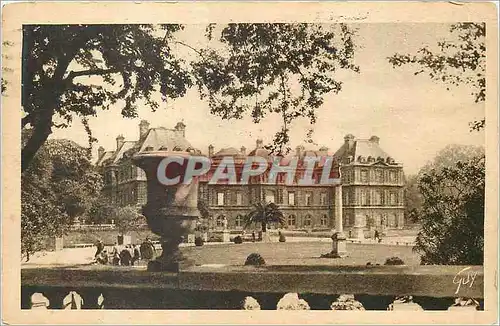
{"x": 163, "y": 148}
{"x": 370, "y": 159}
{"x": 148, "y": 149}
{"x": 177, "y": 149}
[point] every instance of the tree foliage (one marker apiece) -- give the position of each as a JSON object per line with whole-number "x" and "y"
{"x": 412, "y": 199}
{"x": 450, "y": 155}
{"x": 279, "y": 68}
{"x": 126, "y": 62}
{"x": 461, "y": 61}
{"x": 452, "y": 214}
{"x": 102, "y": 210}
{"x": 264, "y": 214}
{"x": 127, "y": 218}
{"x": 60, "y": 185}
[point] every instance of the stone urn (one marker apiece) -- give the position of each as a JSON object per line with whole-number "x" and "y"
{"x": 171, "y": 210}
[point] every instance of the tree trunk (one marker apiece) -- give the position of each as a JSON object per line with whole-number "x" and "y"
{"x": 264, "y": 227}
{"x": 40, "y": 134}
{"x": 42, "y": 121}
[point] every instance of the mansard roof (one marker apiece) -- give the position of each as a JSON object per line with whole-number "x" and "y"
{"x": 118, "y": 154}
{"x": 104, "y": 157}
{"x": 229, "y": 151}
{"x": 363, "y": 151}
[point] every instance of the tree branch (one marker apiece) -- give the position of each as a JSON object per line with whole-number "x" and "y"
{"x": 90, "y": 72}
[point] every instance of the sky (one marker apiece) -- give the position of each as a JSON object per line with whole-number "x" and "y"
{"x": 413, "y": 116}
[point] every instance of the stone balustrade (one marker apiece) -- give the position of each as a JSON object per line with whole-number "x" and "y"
{"x": 247, "y": 287}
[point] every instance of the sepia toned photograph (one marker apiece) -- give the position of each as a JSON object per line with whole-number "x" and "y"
{"x": 319, "y": 161}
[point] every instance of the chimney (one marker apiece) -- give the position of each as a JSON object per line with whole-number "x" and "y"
{"x": 258, "y": 143}
{"x": 181, "y": 127}
{"x": 100, "y": 152}
{"x": 374, "y": 139}
{"x": 349, "y": 141}
{"x": 119, "y": 141}
{"x": 243, "y": 150}
{"x": 210, "y": 150}
{"x": 143, "y": 128}
{"x": 299, "y": 150}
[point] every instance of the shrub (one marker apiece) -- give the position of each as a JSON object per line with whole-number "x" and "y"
{"x": 238, "y": 240}
{"x": 255, "y": 260}
{"x": 394, "y": 261}
{"x": 198, "y": 241}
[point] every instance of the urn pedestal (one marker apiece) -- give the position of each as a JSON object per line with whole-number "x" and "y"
{"x": 171, "y": 210}
{"x": 339, "y": 245}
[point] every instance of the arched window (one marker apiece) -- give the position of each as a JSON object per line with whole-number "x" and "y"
{"x": 308, "y": 220}
{"x": 219, "y": 221}
{"x": 324, "y": 220}
{"x": 291, "y": 221}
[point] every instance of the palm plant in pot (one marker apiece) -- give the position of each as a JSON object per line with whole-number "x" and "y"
{"x": 264, "y": 214}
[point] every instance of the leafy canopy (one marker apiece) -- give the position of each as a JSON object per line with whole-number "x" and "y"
{"x": 59, "y": 186}
{"x": 452, "y": 214}
{"x": 285, "y": 69}
{"x": 460, "y": 61}
{"x": 77, "y": 70}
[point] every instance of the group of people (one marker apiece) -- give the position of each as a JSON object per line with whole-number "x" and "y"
{"x": 126, "y": 255}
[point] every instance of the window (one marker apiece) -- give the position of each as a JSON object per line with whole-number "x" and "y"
{"x": 379, "y": 176}
{"x": 270, "y": 196}
{"x": 292, "y": 220}
{"x": 323, "y": 198}
{"x": 393, "y": 198}
{"x": 219, "y": 221}
{"x": 362, "y": 197}
{"x": 220, "y": 199}
{"x": 364, "y": 175}
{"x": 377, "y": 198}
{"x": 239, "y": 199}
{"x": 291, "y": 198}
{"x": 308, "y": 220}
{"x": 346, "y": 198}
{"x": 239, "y": 221}
{"x": 324, "y": 220}
{"x": 279, "y": 200}
{"x": 393, "y": 176}
{"x": 309, "y": 198}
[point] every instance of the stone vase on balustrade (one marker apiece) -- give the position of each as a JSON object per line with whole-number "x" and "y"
{"x": 171, "y": 210}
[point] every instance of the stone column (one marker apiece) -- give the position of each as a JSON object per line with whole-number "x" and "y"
{"x": 339, "y": 249}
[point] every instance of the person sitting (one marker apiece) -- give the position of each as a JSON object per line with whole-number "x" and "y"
{"x": 125, "y": 257}
{"x": 103, "y": 257}
{"x": 136, "y": 255}
{"x": 147, "y": 250}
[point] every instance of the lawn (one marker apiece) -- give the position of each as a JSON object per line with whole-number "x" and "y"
{"x": 298, "y": 253}
{"x": 275, "y": 253}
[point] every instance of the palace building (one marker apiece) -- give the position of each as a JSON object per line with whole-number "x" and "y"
{"x": 372, "y": 183}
